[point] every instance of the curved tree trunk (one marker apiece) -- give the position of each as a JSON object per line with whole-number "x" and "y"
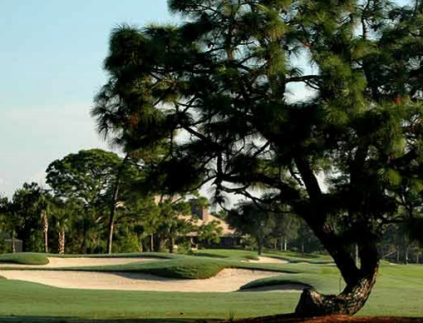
{"x": 349, "y": 302}
{"x": 359, "y": 281}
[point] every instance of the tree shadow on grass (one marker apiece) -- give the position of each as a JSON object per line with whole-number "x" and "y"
{"x": 62, "y": 319}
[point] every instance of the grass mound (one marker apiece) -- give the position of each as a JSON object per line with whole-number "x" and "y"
{"x": 209, "y": 255}
{"x": 183, "y": 268}
{"x": 24, "y": 258}
{"x": 179, "y": 267}
{"x": 119, "y": 255}
{"x": 186, "y": 269}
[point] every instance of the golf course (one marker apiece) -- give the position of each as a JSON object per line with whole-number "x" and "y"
{"x": 164, "y": 286}
{"x": 211, "y": 161}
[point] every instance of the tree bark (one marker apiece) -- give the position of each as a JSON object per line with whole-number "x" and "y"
{"x": 171, "y": 245}
{"x": 61, "y": 242}
{"x": 349, "y": 302}
{"x": 44, "y": 223}
{"x": 110, "y": 227}
{"x": 159, "y": 243}
{"x": 356, "y": 256}
{"x": 13, "y": 242}
{"x": 260, "y": 245}
{"x": 151, "y": 243}
{"x": 359, "y": 281}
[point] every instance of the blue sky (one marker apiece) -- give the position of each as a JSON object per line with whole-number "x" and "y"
{"x": 51, "y": 67}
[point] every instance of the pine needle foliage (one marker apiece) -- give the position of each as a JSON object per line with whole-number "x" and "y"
{"x": 221, "y": 81}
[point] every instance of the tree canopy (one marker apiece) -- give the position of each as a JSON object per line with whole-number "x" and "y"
{"x": 86, "y": 175}
{"x": 222, "y": 79}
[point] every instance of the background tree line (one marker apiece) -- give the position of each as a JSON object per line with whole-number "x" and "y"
{"x": 73, "y": 216}
{"x": 80, "y": 210}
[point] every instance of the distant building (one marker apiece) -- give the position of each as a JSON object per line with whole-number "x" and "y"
{"x": 228, "y": 239}
{"x": 7, "y": 238}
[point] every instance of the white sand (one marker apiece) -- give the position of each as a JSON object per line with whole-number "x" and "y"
{"x": 83, "y": 262}
{"x": 269, "y": 260}
{"x": 228, "y": 280}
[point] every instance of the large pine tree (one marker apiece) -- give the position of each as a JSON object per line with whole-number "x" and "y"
{"x": 221, "y": 80}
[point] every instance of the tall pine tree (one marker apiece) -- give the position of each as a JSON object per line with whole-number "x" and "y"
{"x": 221, "y": 80}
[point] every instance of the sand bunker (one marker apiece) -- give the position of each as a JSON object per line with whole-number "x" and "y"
{"x": 83, "y": 262}
{"x": 228, "y": 280}
{"x": 269, "y": 260}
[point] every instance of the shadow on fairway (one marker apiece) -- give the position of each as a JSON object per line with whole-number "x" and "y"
{"x": 62, "y": 319}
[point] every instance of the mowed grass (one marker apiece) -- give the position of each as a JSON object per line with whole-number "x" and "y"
{"x": 24, "y": 259}
{"x": 292, "y": 257}
{"x": 32, "y": 258}
{"x": 398, "y": 291}
{"x": 173, "y": 266}
{"x": 29, "y": 299}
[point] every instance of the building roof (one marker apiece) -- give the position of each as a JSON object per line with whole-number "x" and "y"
{"x": 200, "y": 216}
{"x": 7, "y": 237}
{"x": 4, "y": 235}
{"x": 226, "y": 230}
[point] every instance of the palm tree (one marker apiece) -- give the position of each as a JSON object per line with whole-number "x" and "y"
{"x": 43, "y": 206}
{"x": 62, "y": 219}
{"x": 9, "y": 220}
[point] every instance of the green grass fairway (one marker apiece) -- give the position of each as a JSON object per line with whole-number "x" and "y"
{"x": 398, "y": 291}
{"x": 28, "y": 299}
